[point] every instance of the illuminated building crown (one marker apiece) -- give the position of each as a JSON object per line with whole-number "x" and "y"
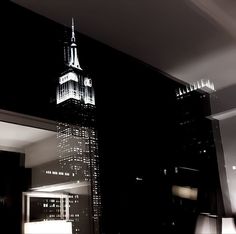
{"x": 73, "y": 84}
{"x": 205, "y": 85}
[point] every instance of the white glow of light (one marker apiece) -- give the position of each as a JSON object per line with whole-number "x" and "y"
{"x": 188, "y": 168}
{"x": 234, "y": 167}
{"x": 59, "y": 187}
{"x": 89, "y": 97}
{"x": 205, "y": 225}
{"x": 67, "y": 77}
{"x": 67, "y": 94}
{"x": 48, "y": 227}
{"x": 45, "y": 194}
{"x": 228, "y": 226}
{"x": 202, "y": 84}
{"x": 139, "y": 178}
{"x": 88, "y": 100}
{"x": 73, "y": 30}
{"x": 74, "y": 60}
{"x": 224, "y": 114}
{"x": 185, "y": 192}
{"x": 87, "y": 82}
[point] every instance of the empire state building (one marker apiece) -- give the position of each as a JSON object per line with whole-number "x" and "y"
{"x": 77, "y": 141}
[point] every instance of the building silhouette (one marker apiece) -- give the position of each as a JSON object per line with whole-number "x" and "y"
{"x": 77, "y": 137}
{"x": 195, "y": 182}
{"x": 76, "y": 170}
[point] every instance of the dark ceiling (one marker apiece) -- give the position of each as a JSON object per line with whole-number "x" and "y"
{"x": 190, "y": 40}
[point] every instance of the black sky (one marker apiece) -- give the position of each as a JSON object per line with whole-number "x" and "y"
{"x": 134, "y": 106}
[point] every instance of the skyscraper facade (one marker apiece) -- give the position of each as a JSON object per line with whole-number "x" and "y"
{"x": 78, "y": 141}
{"x": 195, "y": 178}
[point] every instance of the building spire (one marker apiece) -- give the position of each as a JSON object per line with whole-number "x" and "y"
{"x": 73, "y": 31}
{"x": 74, "y": 60}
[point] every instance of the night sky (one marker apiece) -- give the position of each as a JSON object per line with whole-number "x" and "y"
{"x": 134, "y": 109}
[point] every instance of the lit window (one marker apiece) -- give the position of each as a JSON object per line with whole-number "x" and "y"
{"x": 176, "y": 169}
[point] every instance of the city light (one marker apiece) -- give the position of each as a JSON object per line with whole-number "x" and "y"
{"x": 185, "y": 192}
{"x": 48, "y": 227}
{"x": 139, "y": 178}
{"x": 205, "y": 85}
{"x": 67, "y": 77}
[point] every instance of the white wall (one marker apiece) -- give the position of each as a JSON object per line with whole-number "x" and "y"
{"x": 41, "y": 152}
{"x": 228, "y": 137}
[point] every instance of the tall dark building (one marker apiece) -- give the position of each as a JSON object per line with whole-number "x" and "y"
{"x": 193, "y": 174}
{"x": 77, "y": 139}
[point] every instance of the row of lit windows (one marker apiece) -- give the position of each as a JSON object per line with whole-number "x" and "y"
{"x": 74, "y": 215}
{"x": 48, "y": 205}
{"x": 57, "y": 173}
